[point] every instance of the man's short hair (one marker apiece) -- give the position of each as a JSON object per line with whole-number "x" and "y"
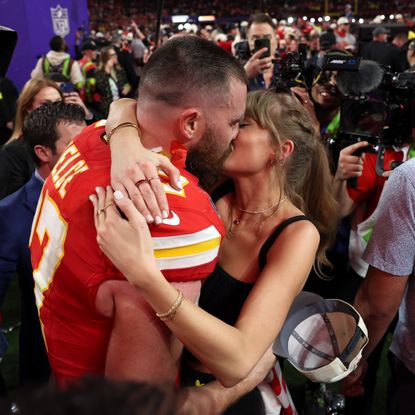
{"x": 57, "y": 44}
{"x": 260, "y": 18}
{"x": 188, "y": 65}
{"x": 41, "y": 125}
{"x": 97, "y": 395}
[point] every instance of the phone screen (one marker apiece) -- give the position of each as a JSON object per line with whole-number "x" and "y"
{"x": 263, "y": 43}
{"x": 67, "y": 87}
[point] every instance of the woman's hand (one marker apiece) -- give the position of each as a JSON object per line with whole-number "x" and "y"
{"x": 131, "y": 162}
{"x": 74, "y": 98}
{"x": 126, "y": 242}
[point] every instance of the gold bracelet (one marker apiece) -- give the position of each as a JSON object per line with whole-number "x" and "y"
{"x": 172, "y": 310}
{"x": 106, "y": 137}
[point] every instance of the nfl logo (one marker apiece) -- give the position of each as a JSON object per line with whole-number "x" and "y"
{"x": 60, "y": 20}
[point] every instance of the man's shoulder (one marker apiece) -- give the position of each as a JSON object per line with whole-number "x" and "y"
{"x": 12, "y": 202}
{"x": 84, "y": 165}
{"x": 405, "y": 171}
{"x": 15, "y": 199}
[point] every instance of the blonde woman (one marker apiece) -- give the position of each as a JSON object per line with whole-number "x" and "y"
{"x": 278, "y": 228}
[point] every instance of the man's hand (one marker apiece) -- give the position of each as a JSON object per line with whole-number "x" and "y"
{"x": 350, "y": 165}
{"x": 213, "y": 398}
{"x": 352, "y": 385}
{"x": 257, "y": 65}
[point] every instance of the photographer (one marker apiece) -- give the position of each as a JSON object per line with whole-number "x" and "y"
{"x": 263, "y": 43}
{"x": 369, "y": 166}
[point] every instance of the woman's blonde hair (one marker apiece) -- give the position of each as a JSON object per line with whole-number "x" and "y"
{"x": 25, "y": 101}
{"x": 305, "y": 175}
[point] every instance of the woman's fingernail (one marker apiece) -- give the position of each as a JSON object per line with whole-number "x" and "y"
{"x": 118, "y": 195}
{"x": 158, "y": 220}
{"x": 149, "y": 219}
{"x": 164, "y": 214}
{"x": 91, "y": 198}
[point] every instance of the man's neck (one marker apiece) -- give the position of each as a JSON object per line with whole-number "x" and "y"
{"x": 43, "y": 171}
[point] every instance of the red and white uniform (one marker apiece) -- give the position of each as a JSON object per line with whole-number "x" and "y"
{"x": 69, "y": 266}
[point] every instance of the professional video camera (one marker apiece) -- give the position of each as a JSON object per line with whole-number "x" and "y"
{"x": 290, "y": 70}
{"x": 375, "y": 105}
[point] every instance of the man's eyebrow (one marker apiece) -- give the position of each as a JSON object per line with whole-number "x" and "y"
{"x": 237, "y": 119}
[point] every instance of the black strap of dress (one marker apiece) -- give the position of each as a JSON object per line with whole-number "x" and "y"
{"x": 262, "y": 258}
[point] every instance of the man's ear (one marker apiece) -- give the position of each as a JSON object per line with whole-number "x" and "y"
{"x": 43, "y": 153}
{"x": 191, "y": 124}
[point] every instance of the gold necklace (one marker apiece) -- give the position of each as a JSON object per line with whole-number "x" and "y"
{"x": 253, "y": 212}
{"x": 236, "y": 221}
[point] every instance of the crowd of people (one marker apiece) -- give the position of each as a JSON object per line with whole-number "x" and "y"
{"x": 134, "y": 274}
{"x": 144, "y": 11}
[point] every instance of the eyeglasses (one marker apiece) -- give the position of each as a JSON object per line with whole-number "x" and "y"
{"x": 112, "y": 55}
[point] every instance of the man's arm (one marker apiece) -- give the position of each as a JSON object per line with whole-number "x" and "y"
{"x": 141, "y": 347}
{"x": 377, "y": 301}
{"x": 213, "y": 398}
{"x": 390, "y": 253}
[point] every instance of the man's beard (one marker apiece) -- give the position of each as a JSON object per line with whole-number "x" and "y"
{"x": 205, "y": 160}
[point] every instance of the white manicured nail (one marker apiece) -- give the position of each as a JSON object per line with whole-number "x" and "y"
{"x": 158, "y": 220}
{"x": 118, "y": 195}
{"x": 164, "y": 214}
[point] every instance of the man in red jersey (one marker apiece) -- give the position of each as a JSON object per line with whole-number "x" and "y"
{"x": 192, "y": 96}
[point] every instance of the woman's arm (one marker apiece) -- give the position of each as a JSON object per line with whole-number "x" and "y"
{"x": 131, "y": 162}
{"x": 213, "y": 398}
{"x": 229, "y": 352}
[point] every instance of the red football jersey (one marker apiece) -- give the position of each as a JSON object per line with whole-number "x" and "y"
{"x": 69, "y": 266}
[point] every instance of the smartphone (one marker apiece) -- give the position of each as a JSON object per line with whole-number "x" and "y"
{"x": 262, "y": 43}
{"x": 67, "y": 87}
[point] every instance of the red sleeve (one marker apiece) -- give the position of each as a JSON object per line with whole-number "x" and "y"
{"x": 366, "y": 183}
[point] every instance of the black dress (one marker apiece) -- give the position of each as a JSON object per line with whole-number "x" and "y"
{"x": 223, "y": 296}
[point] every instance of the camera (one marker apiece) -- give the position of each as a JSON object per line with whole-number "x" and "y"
{"x": 242, "y": 51}
{"x": 291, "y": 70}
{"x": 375, "y": 106}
